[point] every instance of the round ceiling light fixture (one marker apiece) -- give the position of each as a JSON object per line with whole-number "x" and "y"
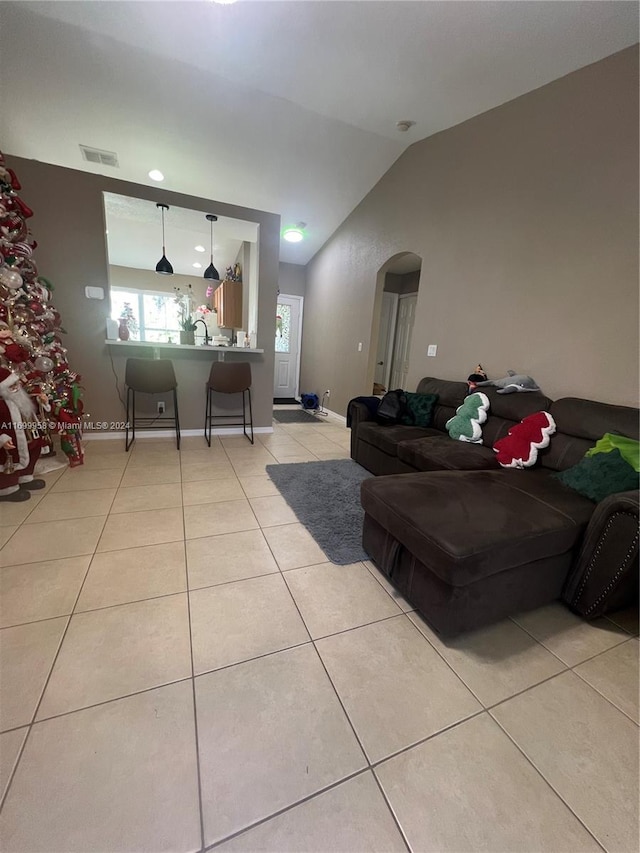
{"x": 156, "y": 175}
{"x": 294, "y": 234}
{"x": 200, "y": 248}
{"x": 197, "y": 266}
{"x": 404, "y": 125}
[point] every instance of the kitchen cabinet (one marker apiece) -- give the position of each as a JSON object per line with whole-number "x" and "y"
{"x": 227, "y": 300}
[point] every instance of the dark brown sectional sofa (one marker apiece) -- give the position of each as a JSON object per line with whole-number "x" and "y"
{"x": 468, "y": 542}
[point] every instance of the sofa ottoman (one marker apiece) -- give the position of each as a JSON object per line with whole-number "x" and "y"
{"x": 469, "y": 548}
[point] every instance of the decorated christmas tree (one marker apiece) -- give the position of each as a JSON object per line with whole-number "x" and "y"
{"x": 31, "y": 329}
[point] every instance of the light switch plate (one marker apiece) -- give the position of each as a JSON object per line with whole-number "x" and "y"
{"x": 433, "y": 349}
{"x": 94, "y": 292}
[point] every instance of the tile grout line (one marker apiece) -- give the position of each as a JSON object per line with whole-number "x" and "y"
{"x": 20, "y": 523}
{"x": 285, "y": 809}
{"x": 441, "y": 656}
{"x": 600, "y": 693}
{"x": 30, "y": 725}
{"x": 192, "y": 678}
{"x": 103, "y": 702}
{"x": 545, "y": 780}
{"x": 51, "y": 669}
{"x": 344, "y": 710}
{"x": 394, "y": 816}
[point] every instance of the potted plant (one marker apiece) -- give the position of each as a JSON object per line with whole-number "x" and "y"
{"x": 127, "y": 323}
{"x": 184, "y": 302}
{"x": 188, "y": 327}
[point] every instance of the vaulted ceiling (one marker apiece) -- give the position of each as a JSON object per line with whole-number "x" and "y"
{"x": 289, "y": 107}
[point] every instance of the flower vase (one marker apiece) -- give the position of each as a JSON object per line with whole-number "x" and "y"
{"x": 123, "y": 330}
{"x": 187, "y": 338}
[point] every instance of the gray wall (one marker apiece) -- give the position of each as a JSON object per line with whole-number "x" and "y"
{"x": 526, "y": 220}
{"x": 291, "y": 279}
{"x": 68, "y": 224}
{"x": 402, "y": 283}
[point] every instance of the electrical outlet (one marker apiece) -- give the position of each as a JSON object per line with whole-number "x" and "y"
{"x": 327, "y": 393}
{"x": 432, "y": 349}
{"x": 161, "y": 407}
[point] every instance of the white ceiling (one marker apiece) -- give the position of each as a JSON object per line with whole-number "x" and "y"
{"x": 288, "y": 107}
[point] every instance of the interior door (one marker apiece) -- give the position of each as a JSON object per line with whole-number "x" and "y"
{"x": 385, "y": 338}
{"x": 402, "y": 344}
{"x": 287, "y": 356}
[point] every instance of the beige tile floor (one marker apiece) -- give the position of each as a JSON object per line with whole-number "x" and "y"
{"x": 182, "y": 668}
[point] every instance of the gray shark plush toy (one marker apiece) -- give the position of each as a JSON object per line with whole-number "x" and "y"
{"x": 511, "y": 383}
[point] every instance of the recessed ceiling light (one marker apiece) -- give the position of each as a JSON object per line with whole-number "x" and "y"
{"x": 224, "y": 2}
{"x": 404, "y": 125}
{"x": 156, "y": 175}
{"x": 295, "y": 234}
{"x": 199, "y": 248}
{"x": 198, "y": 266}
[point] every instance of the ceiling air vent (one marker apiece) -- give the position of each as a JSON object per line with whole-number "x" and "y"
{"x": 100, "y": 158}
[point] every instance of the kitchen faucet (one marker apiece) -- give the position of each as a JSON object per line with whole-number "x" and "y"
{"x": 206, "y": 331}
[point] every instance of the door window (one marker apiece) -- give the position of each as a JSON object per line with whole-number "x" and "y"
{"x": 283, "y": 328}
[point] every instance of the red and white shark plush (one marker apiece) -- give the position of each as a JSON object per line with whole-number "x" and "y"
{"x": 519, "y": 448}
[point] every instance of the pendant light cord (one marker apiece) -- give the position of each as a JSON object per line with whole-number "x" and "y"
{"x": 211, "y": 244}
{"x": 164, "y": 251}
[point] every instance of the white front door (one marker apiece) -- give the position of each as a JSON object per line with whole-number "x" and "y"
{"x": 287, "y": 360}
{"x": 385, "y": 338}
{"x": 402, "y": 345}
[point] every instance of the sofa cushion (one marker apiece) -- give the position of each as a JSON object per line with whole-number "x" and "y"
{"x": 450, "y": 393}
{"x": 466, "y": 525}
{"x": 421, "y": 408}
{"x": 387, "y": 438}
{"x": 509, "y": 409}
{"x": 597, "y": 477}
{"x": 441, "y": 453}
{"x": 579, "y": 424}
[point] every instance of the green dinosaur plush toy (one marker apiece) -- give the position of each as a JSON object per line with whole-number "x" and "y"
{"x": 465, "y": 425}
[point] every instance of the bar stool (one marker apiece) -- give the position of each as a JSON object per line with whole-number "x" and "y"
{"x": 229, "y": 378}
{"x": 149, "y": 376}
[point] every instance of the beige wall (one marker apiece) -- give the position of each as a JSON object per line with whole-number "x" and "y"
{"x": 68, "y": 224}
{"x": 291, "y": 279}
{"x": 402, "y": 283}
{"x": 526, "y": 220}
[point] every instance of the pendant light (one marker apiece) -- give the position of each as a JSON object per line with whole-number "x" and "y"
{"x": 163, "y": 266}
{"x": 211, "y": 272}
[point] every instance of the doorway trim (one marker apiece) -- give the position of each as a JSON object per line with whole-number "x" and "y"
{"x": 377, "y": 307}
{"x": 391, "y": 336}
{"x": 299, "y": 355}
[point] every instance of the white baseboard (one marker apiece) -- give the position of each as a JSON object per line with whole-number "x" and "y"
{"x": 336, "y": 417}
{"x": 170, "y": 433}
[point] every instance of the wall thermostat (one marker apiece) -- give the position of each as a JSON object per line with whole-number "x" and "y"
{"x": 94, "y": 292}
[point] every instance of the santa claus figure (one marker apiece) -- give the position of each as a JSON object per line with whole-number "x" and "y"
{"x": 19, "y": 449}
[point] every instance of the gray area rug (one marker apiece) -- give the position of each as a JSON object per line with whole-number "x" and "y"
{"x": 296, "y": 416}
{"x": 325, "y": 497}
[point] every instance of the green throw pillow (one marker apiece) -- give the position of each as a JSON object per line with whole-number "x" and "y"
{"x": 628, "y": 447}
{"x": 601, "y": 475}
{"x": 421, "y": 408}
{"x": 466, "y": 424}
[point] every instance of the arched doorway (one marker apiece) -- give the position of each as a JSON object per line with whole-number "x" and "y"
{"x": 398, "y": 284}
